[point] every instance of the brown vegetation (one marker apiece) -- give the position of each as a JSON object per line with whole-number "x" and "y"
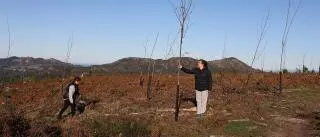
{"x": 119, "y": 97}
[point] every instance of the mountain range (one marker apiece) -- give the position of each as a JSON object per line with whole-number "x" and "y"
{"x": 41, "y": 67}
{"x": 133, "y": 64}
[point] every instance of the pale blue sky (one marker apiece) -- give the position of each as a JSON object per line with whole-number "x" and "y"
{"x": 106, "y": 30}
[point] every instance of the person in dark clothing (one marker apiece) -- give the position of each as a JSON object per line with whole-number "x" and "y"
{"x": 71, "y": 94}
{"x": 203, "y": 84}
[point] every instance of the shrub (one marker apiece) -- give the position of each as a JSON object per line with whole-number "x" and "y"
{"x": 285, "y": 71}
{"x": 305, "y": 69}
{"x": 45, "y": 129}
{"x": 14, "y": 126}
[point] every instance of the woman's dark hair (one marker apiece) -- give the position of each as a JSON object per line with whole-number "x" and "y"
{"x": 76, "y": 79}
{"x": 205, "y": 63}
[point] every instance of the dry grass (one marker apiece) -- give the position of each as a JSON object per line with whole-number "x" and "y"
{"x": 121, "y": 107}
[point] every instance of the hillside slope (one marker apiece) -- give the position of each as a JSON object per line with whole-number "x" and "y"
{"x": 14, "y": 67}
{"x": 133, "y": 65}
{"x": 32, "y": 64}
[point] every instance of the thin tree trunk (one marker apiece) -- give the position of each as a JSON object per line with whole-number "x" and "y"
{"x": 149, "y": 88}
{"x": 141, "y": 79}
{"x": 288, "y": 25}
{"x": 263, "y": 31}
{"x": 182, "y": 11}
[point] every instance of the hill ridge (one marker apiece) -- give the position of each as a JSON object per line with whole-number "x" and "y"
{"x": 34, "y": 66}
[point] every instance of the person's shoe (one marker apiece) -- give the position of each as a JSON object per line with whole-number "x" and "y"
{"x": 199, "y": 116}
{"x": 59, "y": 117}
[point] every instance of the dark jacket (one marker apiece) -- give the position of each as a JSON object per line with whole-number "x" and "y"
{"x": 75, "y": 94}
{"x": 203, "y": 78}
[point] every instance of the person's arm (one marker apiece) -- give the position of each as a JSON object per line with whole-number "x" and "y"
{"x": 210, "y": 80}
{"x": 71, "y": 92}
{"x": 188, "y": 71}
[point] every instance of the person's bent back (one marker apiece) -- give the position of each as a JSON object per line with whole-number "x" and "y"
{"x": 71, "y": 94}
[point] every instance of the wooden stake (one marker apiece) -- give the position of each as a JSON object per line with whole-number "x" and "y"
{"x": 176, "y": 116}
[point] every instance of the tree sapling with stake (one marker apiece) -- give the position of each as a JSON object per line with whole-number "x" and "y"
{"x": 183, "y": 11}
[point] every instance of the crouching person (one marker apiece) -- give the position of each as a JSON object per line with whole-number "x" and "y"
{"x": 203, "y": 84}
{"x": 71, "y": 94}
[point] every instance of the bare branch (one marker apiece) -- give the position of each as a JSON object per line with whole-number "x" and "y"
{"x": 9, "y": 39}
{"x": 263, "y": 61}
{"x": 289, "y": 22}
{"x": 149, "y": 67}
{"x": 69, "y": 47}
{"x": 183, "y": 12}
{"x": 224, "y": 46}
{"x": 145, "y": 56}
{"x": 261, "y": 35}
{"x": 8, "y": 52}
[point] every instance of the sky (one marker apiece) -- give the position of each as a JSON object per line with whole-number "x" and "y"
{"x": 107, "y": 30}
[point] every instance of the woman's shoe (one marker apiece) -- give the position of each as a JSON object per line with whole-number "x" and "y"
{"x": 199, "y": 116}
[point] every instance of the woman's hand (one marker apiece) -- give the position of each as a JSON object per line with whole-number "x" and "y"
{"x": 180, "y": 66}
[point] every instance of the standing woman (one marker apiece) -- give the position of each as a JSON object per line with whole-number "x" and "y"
{"x": 203, "y": 84}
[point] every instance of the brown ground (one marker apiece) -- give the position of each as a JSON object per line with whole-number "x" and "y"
{"x": 120, "y": 107}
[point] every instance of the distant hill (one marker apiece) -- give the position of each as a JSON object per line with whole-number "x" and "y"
{"x": 32, "y": 64}
{"x": 17, "y": 67}
{"x": 14, "y": 67}
{"x": 231, "y": 64}
{"x": 133, "y": 64}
